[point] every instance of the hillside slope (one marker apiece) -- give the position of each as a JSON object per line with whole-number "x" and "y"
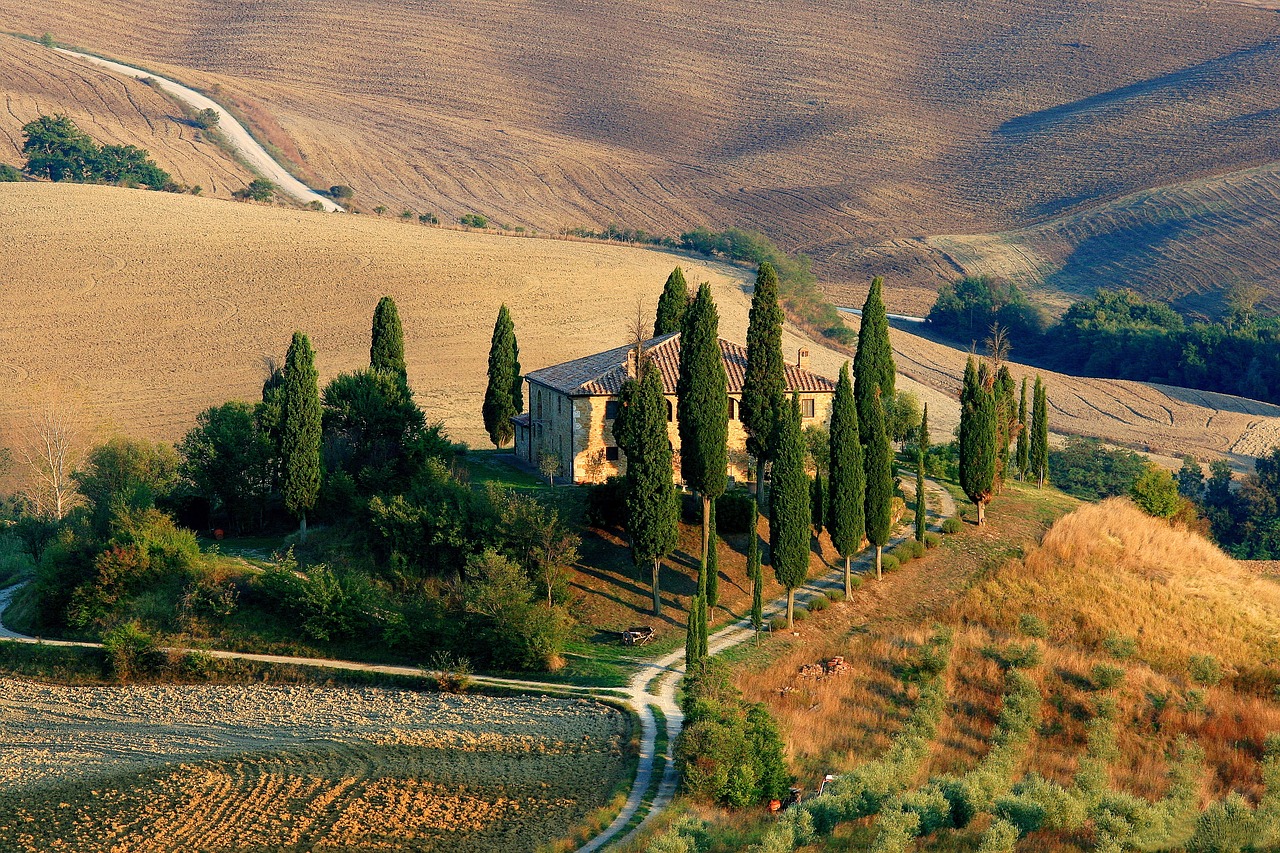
{"x": 113, "y": 110}
{"x": 834, "y": 128}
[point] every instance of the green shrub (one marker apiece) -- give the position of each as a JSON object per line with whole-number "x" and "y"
{"x": 341, "y": 192}
{"x": 1120, "y": 647}
{"x": 9, "y": 174}
{"x": 889, "y": 563}
{"x": 835, "y": 596}
{"x": 778, "y": 623}
{"x": 1105, "y": 676}
{"x": 1226, "y": 826}
{"x": 931, "y": 539}
{"x": 735, "y": 512}
{"x": 1205, "y": 670}
{"x": 428, "y": 219}
{"x": 903, "y": 553}
{"x": 1016, "y": 656}
{"x": 198, "y": 664}
{"x": 474, "y": 220}
{"x": 800, "y": 614}
{"x": 1036, "y": 803}
{"x": 1032, "y": 625}
{"x": 686, "y": 835}
{"x": 818, "y": 603}
{"x": 928, "y": 803}
{"x": 607, "y": 504}
{"x": 856, "y": 581}
{"x": 1000, "y": 837}
{"x": 952, "y": 525}
{"x": 896, "y": 831}
{"x": 131, "y": 652}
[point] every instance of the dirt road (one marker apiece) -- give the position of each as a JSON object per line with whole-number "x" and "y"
{"x": 235, "y": 134}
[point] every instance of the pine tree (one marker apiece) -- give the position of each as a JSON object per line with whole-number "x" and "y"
{"x": 702, "y": 404}
{"x": 873, "y": 368}
{"x": 1039, "y": 450}
{"x": 789, "y": 513}
{"x": 300, "y": 432}
{"x": 503, "y": 399}
{"x": 818, "y": 503}
{"x": 1023, "y": 457}
{"x": 652, "y": 511}
{"x": 879, "y": 499}
{"x": 978, "y": 436}
{"x": 672, "y": 304}
{"x": 847, "y": 478}
{"x": 713, "y": 563}
{"x": 386, "y": 352}
{"x": 921, "y": 510}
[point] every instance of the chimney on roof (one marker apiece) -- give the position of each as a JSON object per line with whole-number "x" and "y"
{"x": 802, "y": 360}
{"x": 632, "y": 361}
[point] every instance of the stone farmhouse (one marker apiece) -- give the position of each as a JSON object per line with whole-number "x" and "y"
{"x": 572, "y": 407}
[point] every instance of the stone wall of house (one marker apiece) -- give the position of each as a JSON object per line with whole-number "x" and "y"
{"x": 551, "y": 426}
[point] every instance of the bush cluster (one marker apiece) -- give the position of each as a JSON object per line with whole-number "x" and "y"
{"x": 952, "y": 525}
{"x": 58, "y": 150}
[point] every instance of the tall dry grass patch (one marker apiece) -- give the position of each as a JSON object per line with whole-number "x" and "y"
{"x": 1110, "y": 570}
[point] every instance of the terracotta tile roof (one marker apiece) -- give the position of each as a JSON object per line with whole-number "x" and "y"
{"x": 602, "y": 374}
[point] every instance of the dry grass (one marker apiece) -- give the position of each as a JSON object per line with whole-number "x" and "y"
{"x": 940, "y": 118}
{"x": 220, "y": 768}
{"x": 111, "y": 109}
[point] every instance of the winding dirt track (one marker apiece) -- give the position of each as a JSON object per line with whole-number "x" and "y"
{"x": 654, "y": 685}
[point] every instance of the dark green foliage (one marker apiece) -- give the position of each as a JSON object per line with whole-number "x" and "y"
{"x": 259, "y": 189}
{"x": 922, "y": 434}
{"x": 300, "y": 431}
{"x": 371, "y": 429}
{"x": 672, "y": 304}
{"x": 123, "y": 476}
{"x": 730, "y": 751}
{"x": 1105, "y": 676}
{"x": 817, "y": 604}
{"x": 966, "y": 309}
{"x": 641, "y": 431}
{"x": 789, "y": 512}
{"x": 227, "y": 460}
{"x": 503, "y": 399}
{"x": 131, "y": 652}
{"x": 756, "y": 575}
{"x": 431, "y": 529}
{"x": 9, "y": 174}
{"x": 474, "y": 220}
{"x": 1088, "y": 470}
{"x": 1205, "y": 669}
{"x": 693, "y": 633}
{"x": 817, "y": 503}
{"x": 1156, "y": 492}
{"x": 521, "y": 633}
{"x": 764, "y": 385}
{"x": 1190, "y": 479}
{"x": 1120, "y": 647}
{"x": 607, "y": 503}
{"x": 878, "y": 506}
{"x": 952, "y": 525}
{"x": 386, "y": 348}
{"x": 1039, "y": 447}
{"x": 1033, "y": 626}
{"x": 847, "y": 475}
{"x": 922, "y": 512}
{"x": 873, "y": 368}
{"x": 58, "y": 150}
{"x": 1022, "y": 455}
{"x": 978, "y": 437}
{"x": 902, "y": 416}
{"x": 712, "y": 573}
{"x": 341, "y": 192}
{"x": 322, "y": 604}
{"x": 735, "y": 512}
{"x": 1006, "y": 420}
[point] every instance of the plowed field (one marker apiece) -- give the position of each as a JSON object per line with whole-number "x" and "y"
{"x": 255, "y": 768}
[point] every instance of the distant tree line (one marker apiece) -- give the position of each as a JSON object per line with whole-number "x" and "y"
{"x": 1121, "y": 335}
{"x": 58, "y": 150}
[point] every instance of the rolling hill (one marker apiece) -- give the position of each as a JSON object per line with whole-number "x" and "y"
{"x": 842, "y": 131}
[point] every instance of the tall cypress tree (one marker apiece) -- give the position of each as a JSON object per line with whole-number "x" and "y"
{"x": 879, "y": 500}
{"x": 818, "y": 502}
{"x": 1006, "y": 421}
{"x": 702, "y": 404}
{"x": 921, "y": 510}
{"x": 764, "y": 384}
{"x": 847, "y": 478}
{"x": 386, "y": 351}
{"x": 672, "y": 304}
{"x": 503, "y": 399}
{"x": 756, "y": 576}
{"x": 692, "y": 637}
{"x": 652, "y": 511}
{"x": 300, "y": 431}
{"x": 1023, "y": 453}
{"x": 1039, "y": 450}
{"x": 978, "y": 437}
{"x": 713, "y": 563}
{"x": 873, "y": 367}
{"x": 789, "y": 513}
{"x": 922, "y": 440}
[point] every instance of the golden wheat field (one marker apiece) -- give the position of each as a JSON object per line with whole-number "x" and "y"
{"x": 113, "y": 110}
{"x": 834, "y": 128}
{"x": 183, "y": 768}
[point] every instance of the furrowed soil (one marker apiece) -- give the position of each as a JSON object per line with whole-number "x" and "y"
{"x": 848, "y": 132}
{"x": 196, "y": 768}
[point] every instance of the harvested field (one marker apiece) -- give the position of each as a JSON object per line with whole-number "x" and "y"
{"x": 286, "y": 768}
{"x": 113, "y": 110}
{"x": 837, "y": 130}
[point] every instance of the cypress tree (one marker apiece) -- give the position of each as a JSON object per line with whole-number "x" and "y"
{"x": 386, "y": 352}
{"x": 672, "y": 304}
{"x": 713, "y": 563}
{"x": 921, "y": 511}
{"x": 300, "y": 431}
{"x": 847, "y": 478}
{"x": 1006, "y": 421}
{"x": 503, "y": 399}
{"x": 978, "y": 437}
{"x": 873, "y": 368}
{"x": 879, "y": 500}
{"x": 789, "y": 513}
{"x": 1023, "y": 453}
{"x": 1039, "y": 450}
{"x": 757, "y": 581}
{"x": 693, "y": 641}
{"x": 922, "y": 440}
{"x": 764, "y": 384}
{"x": 818, "y": 503}
{"x": 652, "y": 511}
{"x": 702, "y": 404}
